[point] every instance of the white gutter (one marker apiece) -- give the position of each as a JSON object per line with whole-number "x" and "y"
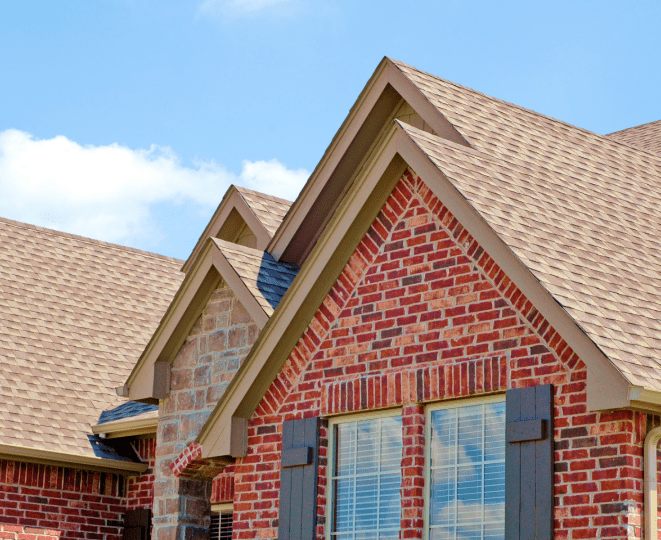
{"x": 649, "y": 484}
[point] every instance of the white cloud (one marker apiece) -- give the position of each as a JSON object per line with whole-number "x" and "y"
{"x": 247, "y": 8}
{"x": 106, "y": 192}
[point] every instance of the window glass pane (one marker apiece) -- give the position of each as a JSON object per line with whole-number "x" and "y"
{"x": 366, "y": 479}
{"x": 467, "y": 473}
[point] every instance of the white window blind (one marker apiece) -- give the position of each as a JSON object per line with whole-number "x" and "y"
{"x": 366, "y": 478}
{"x": 221, "y": 525}
{"x": 467, "y": 473}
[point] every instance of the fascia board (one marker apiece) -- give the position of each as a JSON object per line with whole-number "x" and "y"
{"x": 607, "y": 387}
{"x": 139, "y": 384}
{"x": 31, "y": 455}
{"x": 261, "y": 365}
{"x": 127, "y": 427}
{"x": 387, "y": 73}
{"x": 336, "y": 149}
{"x": 239, "y": 288}
{"x": 171, "y": 332}
{"x": 232, "y": 200}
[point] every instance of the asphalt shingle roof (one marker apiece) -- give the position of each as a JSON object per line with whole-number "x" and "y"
{"x": 646, "y": 137}
{"x": 266, "y": 279}
{"x": 582, "y": 211}
{"x": 269, "y": 210}
{"x": 75, "y": 314}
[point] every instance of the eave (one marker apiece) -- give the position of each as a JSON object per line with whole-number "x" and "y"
{"x": 45, "y": 457}
{"x": 144, "y": 424}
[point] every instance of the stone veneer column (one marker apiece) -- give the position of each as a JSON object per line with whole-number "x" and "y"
{"x": 413, "y": 470}
{"x": 206, "y": 363}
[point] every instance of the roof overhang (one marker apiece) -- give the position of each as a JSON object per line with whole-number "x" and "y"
{"x": 225, "y": 433}
{"x": 32, "y": 455}
{"x": 367, "y": 120}
{"x": 143, "y": 424}
{"x": 149, "y": 381}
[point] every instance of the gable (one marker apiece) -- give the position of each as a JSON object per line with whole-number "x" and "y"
{"x": 387, "y": 95}
{"x": 420, "y": 300}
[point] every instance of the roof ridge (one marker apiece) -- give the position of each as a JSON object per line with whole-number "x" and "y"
{"x": 54, "y": 232}
{"x": 530, "y": 111}
{"x": 264, "y": 195}
{"x": 633, "y": 127}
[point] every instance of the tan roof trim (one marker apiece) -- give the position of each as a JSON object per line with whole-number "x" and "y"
{"x": 369, "y": 117}
{"x": 233, "y": 200}
{"x": 607, "y": 387}
{"x": 143, "y": 424}
{"x": 209, "y": 269}
{"x": 31, "y": 455}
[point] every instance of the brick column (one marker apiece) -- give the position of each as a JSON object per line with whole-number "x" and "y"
{"x": 413, "y": 471}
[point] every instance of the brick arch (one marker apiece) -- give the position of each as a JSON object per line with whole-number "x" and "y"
{"x": 414, "y": 214}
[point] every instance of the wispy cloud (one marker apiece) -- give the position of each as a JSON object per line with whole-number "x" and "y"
{"x": 249, "y": 8}
{"x": 107, "y": 192}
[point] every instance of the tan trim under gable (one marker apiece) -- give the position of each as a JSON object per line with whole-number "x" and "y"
{"x": 367, "y": 120}
{"x": 607, "y": 387}
{"x": 199, "y": 284}
{"x": 221, "y": 222}
{"x": 128, "y": 427}
{"x": 32, "y": 455}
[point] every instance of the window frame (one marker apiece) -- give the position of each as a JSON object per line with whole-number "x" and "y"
{"x": 444, "y": 405}
{"x": 330, "y": 467}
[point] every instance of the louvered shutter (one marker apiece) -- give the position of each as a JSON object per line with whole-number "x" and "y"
{"x": 529, "y": 463}
{"x": 298, "y": 479}
{"x": 137, "y": 524}
{"x": 221, "y": 525}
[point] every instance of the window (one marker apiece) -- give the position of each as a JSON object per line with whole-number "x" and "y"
{"x": 365, "y": 478}
{"x": 466, "y": 471}
{"x": 222, "y": 516}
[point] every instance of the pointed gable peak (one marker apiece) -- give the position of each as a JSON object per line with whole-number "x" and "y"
{"x": 244, "y": 217}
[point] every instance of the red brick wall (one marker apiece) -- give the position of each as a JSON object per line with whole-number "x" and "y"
{"x": 140, "y": 489}
{"x": 41, "y": 501}
{"x": 422, "y": 313}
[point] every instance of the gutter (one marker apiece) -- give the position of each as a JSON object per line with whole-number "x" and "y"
{"x": 33, "y": 455}
{"x": 649, "y": 483}
{"x": 128, "y": 427}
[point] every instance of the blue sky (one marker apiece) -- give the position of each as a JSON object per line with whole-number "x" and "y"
{"x": 126, "y": 120}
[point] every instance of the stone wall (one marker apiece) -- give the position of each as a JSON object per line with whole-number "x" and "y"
{"x": 201, "y": 372}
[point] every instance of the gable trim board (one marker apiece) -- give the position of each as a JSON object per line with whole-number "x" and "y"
{"x": 233, "y": 200}
{"x": 45, "y": 457}
{"x": 607, "y": 387}
{"x": 211, "y": 267}
{"x": 368, "y": 119}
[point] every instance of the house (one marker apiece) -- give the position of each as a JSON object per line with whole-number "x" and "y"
{"x": 451, "y": 333}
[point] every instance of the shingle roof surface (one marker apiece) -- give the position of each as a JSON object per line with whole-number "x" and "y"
{"x": 266, "y": 278}
{"x": 75, "y": 314}
{"x": 580, "y": 210}
{"x": 646, "y": 137}
{"x": 269, "y": 210}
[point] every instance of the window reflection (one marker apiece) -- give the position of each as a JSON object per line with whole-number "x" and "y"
{"x": 467, "y": 473}
{"x": 366, "y": 479}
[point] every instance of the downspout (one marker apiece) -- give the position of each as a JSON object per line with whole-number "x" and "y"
{"x": 649, "y": 484}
